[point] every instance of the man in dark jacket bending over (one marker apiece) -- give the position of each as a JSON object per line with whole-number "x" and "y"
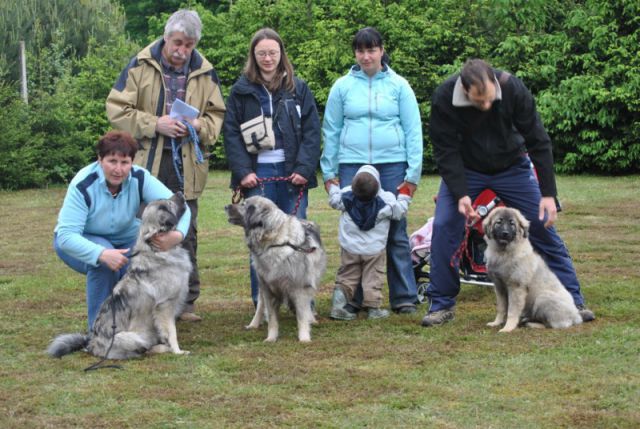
{"x": 486, "y": 133}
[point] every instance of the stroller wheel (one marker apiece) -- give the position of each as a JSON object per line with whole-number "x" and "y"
{"x": 422, "y": 292}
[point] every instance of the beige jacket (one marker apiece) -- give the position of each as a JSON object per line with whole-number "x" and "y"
{"x": 137, "y": 101}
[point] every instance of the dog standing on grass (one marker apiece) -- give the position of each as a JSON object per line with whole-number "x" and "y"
{"x": 289, "y": 260}
{"x": 526, "y": 289}
{"x": 146, "y": 301}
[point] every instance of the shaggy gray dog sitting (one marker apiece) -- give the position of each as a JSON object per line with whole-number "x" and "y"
{"x": 146, "y": 301}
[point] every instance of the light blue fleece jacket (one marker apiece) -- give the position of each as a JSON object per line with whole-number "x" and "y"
{"x": 372, "y": 120}
{"x": 371, "y": 242}
{"x": 89, "y": 208}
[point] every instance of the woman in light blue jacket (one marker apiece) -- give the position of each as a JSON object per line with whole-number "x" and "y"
{"x": 372, "y": 117}
{"x": 97, "y": 224}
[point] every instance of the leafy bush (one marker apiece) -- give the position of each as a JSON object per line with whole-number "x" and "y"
{"x": 580, "y": 59}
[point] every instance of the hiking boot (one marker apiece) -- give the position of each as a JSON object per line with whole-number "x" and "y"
{"x": 587, "y": 315}
{"x": 377, "y": 313}
{"x": 338, "y": 300}
{"x": 438, "y": 317}
{"x": 189, "y": 317}
{"x": 342, "y": 314}
{"x": 406, "y": 309}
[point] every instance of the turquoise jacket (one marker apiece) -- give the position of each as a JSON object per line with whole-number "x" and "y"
{"x": 89, "y": 208}
{"x": 372, "y": 121}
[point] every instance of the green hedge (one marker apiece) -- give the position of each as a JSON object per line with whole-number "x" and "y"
{"x": 580, "y": 59}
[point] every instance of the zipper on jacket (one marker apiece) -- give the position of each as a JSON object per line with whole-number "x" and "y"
{"x": 395, "y": 127}
{"x": 370, "y": 124}
{"x": 270, "y": 101}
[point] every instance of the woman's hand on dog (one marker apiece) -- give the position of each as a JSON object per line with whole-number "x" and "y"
{"x": 164, "y": 241}
{"x": 114, "y": 258}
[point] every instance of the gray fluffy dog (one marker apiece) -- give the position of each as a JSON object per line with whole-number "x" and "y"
{"x": 146, "y": 301}
{"x": 288, "y": 258}
{"x": 526, "y": 289}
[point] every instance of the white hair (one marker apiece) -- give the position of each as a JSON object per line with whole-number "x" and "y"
{"x": 185, "y": 21}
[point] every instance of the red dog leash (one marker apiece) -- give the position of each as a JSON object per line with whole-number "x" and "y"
{"x": 238, "y": 195}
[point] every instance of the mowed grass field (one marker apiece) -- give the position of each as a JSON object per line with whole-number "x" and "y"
{"x": 374, "y": 374}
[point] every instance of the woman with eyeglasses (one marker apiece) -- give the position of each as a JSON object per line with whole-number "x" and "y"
{"x": 272, "y": 130}
{"x": 372, "y": 117}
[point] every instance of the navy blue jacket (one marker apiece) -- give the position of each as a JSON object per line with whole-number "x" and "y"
{"x": 300, "y": 131}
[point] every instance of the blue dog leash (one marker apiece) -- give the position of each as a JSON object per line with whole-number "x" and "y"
{"x": 175, "y": 151}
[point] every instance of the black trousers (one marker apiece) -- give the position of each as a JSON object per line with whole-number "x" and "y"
{"x": 167, "y": 175}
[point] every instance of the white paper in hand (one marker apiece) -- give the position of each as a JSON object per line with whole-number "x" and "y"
{"x": 181, "y": 110}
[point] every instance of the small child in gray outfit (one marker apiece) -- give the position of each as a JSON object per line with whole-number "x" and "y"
{"x": 367, "y": 210}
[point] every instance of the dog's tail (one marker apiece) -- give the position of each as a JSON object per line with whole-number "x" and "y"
{"x": 67, "y": 343}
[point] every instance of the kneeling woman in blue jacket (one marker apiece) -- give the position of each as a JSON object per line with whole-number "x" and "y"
{"x": 97, "y": 224}
{"x": 372, "y": 117}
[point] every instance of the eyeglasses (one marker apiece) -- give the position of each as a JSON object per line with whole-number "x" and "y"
{"x": 264, "y": 54}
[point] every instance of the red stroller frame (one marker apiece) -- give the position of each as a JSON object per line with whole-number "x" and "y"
{"x": 470, "y": 254}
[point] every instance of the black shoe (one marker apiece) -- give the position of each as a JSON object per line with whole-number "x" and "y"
{"x": 405, "y": 309}
{"x": 351, "y": 309}
{"x": 587, "y": 315}
{"x": 439, "y": 317}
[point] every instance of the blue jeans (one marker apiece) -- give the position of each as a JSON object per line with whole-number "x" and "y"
{"x": 518, "y": 188}
{"x": 284, "y": 194}
{"x": 100, "y": 279}
{"x": 400, "y": 277}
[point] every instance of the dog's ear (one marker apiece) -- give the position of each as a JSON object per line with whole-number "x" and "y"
{"x": 179, "y": 201}
{"x": 487, "y": 226}
{"x": 523, "y": 224}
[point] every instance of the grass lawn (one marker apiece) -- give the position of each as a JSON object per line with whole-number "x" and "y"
{"x": 376, "y": 374}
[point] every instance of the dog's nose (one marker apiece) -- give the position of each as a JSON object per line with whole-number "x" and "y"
{"x": 504, "y": 234}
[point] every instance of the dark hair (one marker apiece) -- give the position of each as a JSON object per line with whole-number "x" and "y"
{"x": 476, "y": 73}
{"x": 365, "y": 186}
{"x": 368, "y": 38}
{"x": 117, "y": 142}
{"x": 284, "y": 74}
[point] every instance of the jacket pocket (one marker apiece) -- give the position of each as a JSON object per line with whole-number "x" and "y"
{"x": 343, "y": 137}
{"x": 399, "y": 136}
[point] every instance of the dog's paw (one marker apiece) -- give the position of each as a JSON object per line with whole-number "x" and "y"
{"x": 271, "y": 339}
{"x": 159, "y": 348}
{"x": 507, "y": 329}
{"x": 182, "y": 352}
{"x": 494, "y": 323}
{"x": 249, "y": 327}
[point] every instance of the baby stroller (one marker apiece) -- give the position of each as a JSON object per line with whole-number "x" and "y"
{"x": 472, "y": 264}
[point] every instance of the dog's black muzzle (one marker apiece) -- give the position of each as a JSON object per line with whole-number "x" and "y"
{"x": 234, "y": 216}
{"x": 504, "y": 233}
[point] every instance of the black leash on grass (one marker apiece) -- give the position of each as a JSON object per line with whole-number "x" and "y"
{"x": 99, "y": 364}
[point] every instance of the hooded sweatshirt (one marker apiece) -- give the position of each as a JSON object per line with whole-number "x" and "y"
{"x": 353, "y": 238}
